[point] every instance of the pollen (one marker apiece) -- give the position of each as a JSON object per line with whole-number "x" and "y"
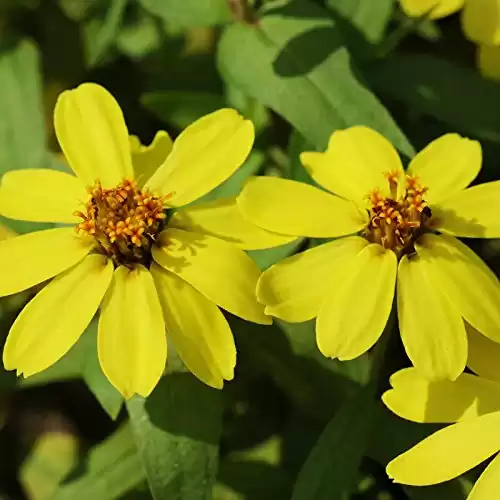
{"x": 124, "y": 221}
{"x": 397, "y": 221}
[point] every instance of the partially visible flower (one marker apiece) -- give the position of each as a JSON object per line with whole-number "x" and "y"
{"x": 480, "y": 22}
{"x": 473, "y": 402}
{"x": 401, "y": 224}
{"x": 151, "y": 271}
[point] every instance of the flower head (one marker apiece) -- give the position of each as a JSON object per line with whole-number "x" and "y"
{"x": 471, "y": 403}
{"x": 390, "y": 226}
{"x": 151, "y": 271}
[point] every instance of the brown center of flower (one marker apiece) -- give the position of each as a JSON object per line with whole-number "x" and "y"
{"x": 396, "y": 221}
{"x": 124, "y": 221}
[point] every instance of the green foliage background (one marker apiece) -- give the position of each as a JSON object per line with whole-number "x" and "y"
{"x": 292, "y": 425}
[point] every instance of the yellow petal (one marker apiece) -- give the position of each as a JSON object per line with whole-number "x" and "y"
{"x": 481, "y": 21}
{"x": 440, "y": 402}
{"x": 295, "y": 288}
{"x": 54, "y": 320}
{"x": 354, "y": 164}
{"x": 38, "y": 195}
{"x": 5, "y": 232}
{"x": 432, "y": 9}
{"x": 466, "y": 280}
{"x": 35, "y": 257}
{"x": 132, "y": 345}
{"x": 449, "y": 452}
{"x": 289, "y": 207}
{"x": 488, "y": 61}
{"x": 488, "y": 484}
{"x": 93, "y": 135}
{"x": 471, "y": 213}
{"x": 484, "y": 355}
{"x": 432, "y": 329}
{"x": 223, "y": 219}
{"x": 203, "y": 156}
{"x": 219, "y": 270}
{"x": 353, "y": 315}
{"x": 197, "y": 328}
{"x": 147, "y": 159}
{"x": 446, "y": 166}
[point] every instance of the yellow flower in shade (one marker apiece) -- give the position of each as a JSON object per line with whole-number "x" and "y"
{"x": 480, "y": 22}
{"x": 401, "y": 224}
{"x": 151, "y": 271}
{"x": 471, "y": 403}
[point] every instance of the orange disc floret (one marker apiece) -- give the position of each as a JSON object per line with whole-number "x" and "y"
{"x": 124, "y": 221}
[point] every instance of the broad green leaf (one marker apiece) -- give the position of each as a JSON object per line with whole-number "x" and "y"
{"x": 437, "y": 87}
{"x": 179, "y": 109}
{"x": 249, "y": 107}
{"x": 189, "y": 13}
{"x": 22, "y": 127}
{"x": 369, "y": 17}
{"x": 102, "y": 38}
{"x": 266, "y": 258}
{"x": 53, "y": 455}
{"x": 110, "y": 470}
{"x": 78, "y": 10}
{"x": 331, "y": 470}
{"x": 139, "y": 35}
{"x": 294, "y": 62}
{"x": 177, "y": 431}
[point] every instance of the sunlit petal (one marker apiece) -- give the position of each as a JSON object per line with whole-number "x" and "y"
{"x": 432, "y": 9}
{"x": 446, "y": 166}
{"x": 35, "y": 257}
{"x": 197, "y": 328}
{"x": 488, "y": 484}
{"x": 147, "y": 159}
{"x": 219, "y": 270}
{"x": 354, "y": 313}
{"x": 203, "y": 156}
{"x": 481, "y": 21}
{"x": 354, "y": 164}
{"x": 441, "y": 402}
{"x": 431, "y": 326}
{"x": 449, "y": 452}
{"x": 295, "y": 288}
{"x": 289, "y": 207}
{"x": 471, "y": 213}
{"x": 223, "y": 219}
{"x": 484, "y": 355}
{"x": 93, "y": 135}
{"x": 39, "y": 195}
{"x": 469, "y": 284}
{"x": 132, "y": 345}
{"x": 56, "y": 317}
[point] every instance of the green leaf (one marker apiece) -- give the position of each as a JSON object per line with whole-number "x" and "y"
{"x": 331, "y": 470}
{"x": 53, "y": 455}
{"x": 177, "y": 432}
{"x": 22, "y": 127}
{"x": 295, "y": 63}
{"x": 180, "y": 109}
{"x": 437, "y": 87}
{"x": 101, "y": 39}
{"x": 189, "y": 13}
{"x": 369, "y": 17}
{"x": 110, "y": 470}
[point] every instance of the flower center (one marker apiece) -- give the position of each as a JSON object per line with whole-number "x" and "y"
{"x": 397, "y": 221}
{"x": 124, "y": 221}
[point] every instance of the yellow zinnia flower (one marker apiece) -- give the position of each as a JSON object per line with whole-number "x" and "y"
{"x": 472, "y": 402}
{"x": 480, "y": 22}
{"x": 349, "y": 283}
{"x": 149, "y": 271}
